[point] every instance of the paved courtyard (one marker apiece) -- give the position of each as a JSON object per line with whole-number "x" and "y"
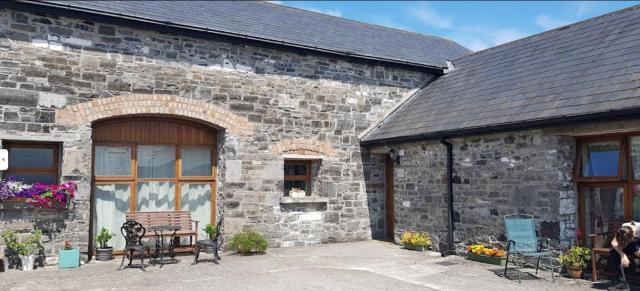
{"x": 369, "y": 265}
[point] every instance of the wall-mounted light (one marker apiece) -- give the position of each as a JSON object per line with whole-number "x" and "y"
{"x": 394, "y": 156}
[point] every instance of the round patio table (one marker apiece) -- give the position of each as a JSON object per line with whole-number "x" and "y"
{"x": 161, "y": 231}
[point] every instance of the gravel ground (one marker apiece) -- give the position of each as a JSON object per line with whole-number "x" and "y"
{"x": 368, "y": 265}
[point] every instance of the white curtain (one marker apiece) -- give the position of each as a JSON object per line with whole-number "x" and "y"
{"x": 197, "y": 199}
{"x": 196, "y": 161}
{"x": 113, "y": 161}
{"x": 156, "y": 196}
{"x": 156, "y": 161}
{"x": 112, "y": 201}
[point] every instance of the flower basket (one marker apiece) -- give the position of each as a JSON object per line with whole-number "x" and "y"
{"x": 500, "y": 261}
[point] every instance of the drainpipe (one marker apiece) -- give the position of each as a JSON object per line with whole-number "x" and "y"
{"x": 451, "y": 249}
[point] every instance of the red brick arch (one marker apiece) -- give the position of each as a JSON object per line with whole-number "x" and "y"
{"x": 135, "y": 104}
{"x": 302, "y": 146}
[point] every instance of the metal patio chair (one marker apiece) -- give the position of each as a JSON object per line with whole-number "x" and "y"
{"x": 133, "y": 232}
{"x": 523, "y": 244}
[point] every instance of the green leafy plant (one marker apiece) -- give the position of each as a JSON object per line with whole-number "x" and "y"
{"x": 23, "y": 247}
{"x": 103, "y": 237}
{"x": 577, "y": 257}
{"x": 210, "y": 230}
{"x": 248, "y": 242}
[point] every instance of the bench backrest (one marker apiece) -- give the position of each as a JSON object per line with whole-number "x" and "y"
{"x": 152, "y": 218}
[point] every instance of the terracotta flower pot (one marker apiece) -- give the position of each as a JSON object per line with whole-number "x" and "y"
{"x": 575, "y": 273}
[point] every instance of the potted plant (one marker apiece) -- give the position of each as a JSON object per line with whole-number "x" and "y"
{"x": 68, "y": 257}
{"x": 248, "y": 242}
{"x": 24, "y": 248}
{"x": 575, "y": 260}
{"x": 417, "y": 241}
{"x": 210, "y": 230}
{"x": 488, "y": 255}
{"x": 104, "y": 252}
{"x": 297, "y": 193}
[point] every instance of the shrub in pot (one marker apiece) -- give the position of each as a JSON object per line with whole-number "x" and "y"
{"x": 210, "y": 230}
{"x": 25, "y": 248}
{"x": 248, "y": 242}
{"x": 575, "y": 259}
{"x": 104, "y": 252}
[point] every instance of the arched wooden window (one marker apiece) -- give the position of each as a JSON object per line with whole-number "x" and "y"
{"x": 152, "y": 164}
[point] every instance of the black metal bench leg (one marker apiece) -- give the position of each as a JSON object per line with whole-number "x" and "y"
{"x": 142, "y": 260}
{"x": 215, "y": 254}
{"x": 537, "y": 265}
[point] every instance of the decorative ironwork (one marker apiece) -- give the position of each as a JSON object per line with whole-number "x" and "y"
{"x": 132, "y": 231}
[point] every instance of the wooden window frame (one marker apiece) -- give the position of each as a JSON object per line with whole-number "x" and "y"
{"x": 178, "y": 179}
{"x": 55, "y": 169}
{"x": 306, "y": 178}
{"x": 622, "y": 180}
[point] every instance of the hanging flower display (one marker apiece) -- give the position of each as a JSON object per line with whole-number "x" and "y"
{"x": 38, "y": 195}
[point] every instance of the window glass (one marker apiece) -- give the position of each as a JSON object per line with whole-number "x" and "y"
{"x": 156, "y": 161}
{"x": 635, "y": 156}
{"x": 600, "y": 159}
{"x": 111, "y": 204}
{"x": 291, "y": 169}
{"x": 196, "y": 198}
{"x": 156, "y": 196}
{"x": 636, "y": 201}
{"x": 196, "y": 161}
{"x": 32, "y": 178}
{"x": 31, "y": 157}
{"x": 113, "y": 161}
{"x": 602, "y": 205}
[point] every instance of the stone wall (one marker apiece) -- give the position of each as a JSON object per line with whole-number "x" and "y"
{"x": 528, "y": 172}
{"x": 50, "y": 63}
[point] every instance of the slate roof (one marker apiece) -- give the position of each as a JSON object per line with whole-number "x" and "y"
{"x": 583, "y": 70}
{"x": 284, "y": 25}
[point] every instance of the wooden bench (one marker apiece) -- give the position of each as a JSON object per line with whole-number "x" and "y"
{"x": 602, "y": 248}
{"x": 189, "y": 227}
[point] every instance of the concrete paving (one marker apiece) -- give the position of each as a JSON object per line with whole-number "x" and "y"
{"x": 368, "y": 265}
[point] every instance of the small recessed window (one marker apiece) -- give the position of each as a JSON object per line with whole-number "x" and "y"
{"x": 33, "y": 162}
{"x": 297, "y": 178}
{"x": 600, "y": 159}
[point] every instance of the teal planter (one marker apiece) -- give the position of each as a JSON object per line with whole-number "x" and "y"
{"x": 69, "y": 258}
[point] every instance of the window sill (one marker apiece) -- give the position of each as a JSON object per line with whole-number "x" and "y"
{"x": 304, "y": 200}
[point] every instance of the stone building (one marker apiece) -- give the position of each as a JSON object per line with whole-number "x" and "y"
{"x": 546, "y": 126}
{"x": 221, "y": 108}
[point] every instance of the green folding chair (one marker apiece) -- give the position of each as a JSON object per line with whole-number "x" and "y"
{"x": 523, "y": 244}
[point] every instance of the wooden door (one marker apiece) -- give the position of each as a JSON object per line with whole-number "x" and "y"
{"x": 388, "y": 172}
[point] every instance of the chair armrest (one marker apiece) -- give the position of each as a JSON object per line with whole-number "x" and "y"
{"x": 546, "y": 241}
